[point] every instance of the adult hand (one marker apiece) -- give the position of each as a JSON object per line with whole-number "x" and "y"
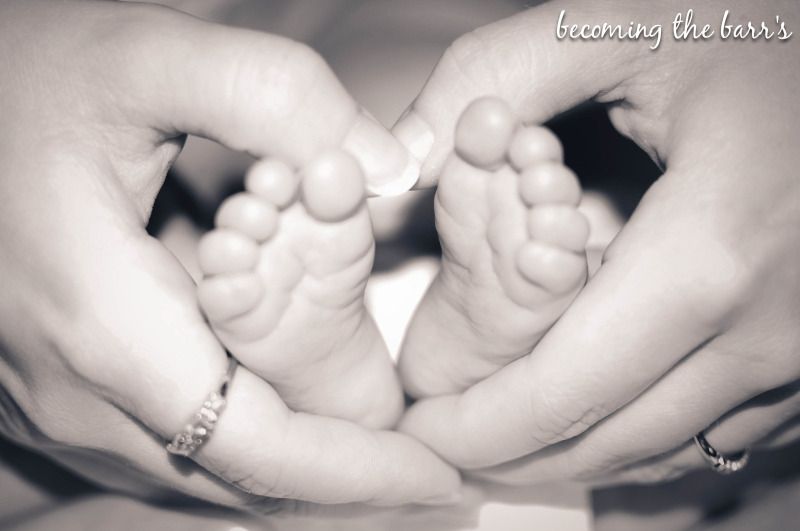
{"x": 694, "y": 314}
{"x": 104, "y": 353}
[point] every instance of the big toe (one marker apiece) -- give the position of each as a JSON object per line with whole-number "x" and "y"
{"x": 333, "y": 186}
{"x": 484, "y": 132}
{"x": 285, "y": 269}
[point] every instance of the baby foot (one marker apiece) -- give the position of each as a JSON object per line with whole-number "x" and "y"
{"x": 512, "y": 252}
{"x": 283, "y": 288}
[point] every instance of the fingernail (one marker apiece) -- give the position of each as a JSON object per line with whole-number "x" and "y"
{"x": 415, "y": 134}
{"x": 453, "y": 498}
{"x": 388, "y": 167}
{"x": 408, "y": 177}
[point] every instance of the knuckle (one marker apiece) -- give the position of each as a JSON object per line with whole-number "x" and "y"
{"x": 556, "y": 415}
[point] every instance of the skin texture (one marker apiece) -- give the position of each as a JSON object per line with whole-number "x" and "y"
{"x": 299, "y": 320}
{"x": 102, "y": 138}
{"x": 511, "y": 261}
{"x": 105, "y": 354}
{"x": 693, "y": 315}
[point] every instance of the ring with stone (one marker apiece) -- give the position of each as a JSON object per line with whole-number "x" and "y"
{"x": 199, "y": 429}
{"x": 723, "y": 464}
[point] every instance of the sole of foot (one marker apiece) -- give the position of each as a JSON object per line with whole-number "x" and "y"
{"x": 283, "y": 288}
{"x": 513, "y": 252}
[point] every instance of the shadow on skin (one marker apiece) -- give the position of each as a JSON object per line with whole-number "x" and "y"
{"x": 705, "y": 498}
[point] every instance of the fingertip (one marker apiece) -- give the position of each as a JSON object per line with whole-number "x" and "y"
{"x": 407, "y": 180}
{"x": 388, "y": 166}
{"x": 418, "y": 138}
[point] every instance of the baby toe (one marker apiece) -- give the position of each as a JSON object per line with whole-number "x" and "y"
{"x": 560, "y": 225}
{"x": 333, "y": 186}
{"x": 274, "y": 181}
{"x": 549, "y": 182}
{"x": 484, "y": 131}
{"x": 532, "y": 145}
{"x": 249, "y": 215}
{"x": 226, "y": 251}
{"x": 553, "y": 268}
{"x": 227, "y": 296}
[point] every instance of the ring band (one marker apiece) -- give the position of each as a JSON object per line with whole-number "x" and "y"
{"x": 198, "y": 431}
{"x": 721, "y": 463}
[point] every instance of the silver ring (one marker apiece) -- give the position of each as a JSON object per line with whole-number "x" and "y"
{"x": 723, "y": 464}
{"x": 199, "y": 429}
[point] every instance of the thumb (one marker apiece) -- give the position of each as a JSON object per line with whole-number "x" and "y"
{"x": 525, "y": 60}
{"x": 253, "y": 92}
